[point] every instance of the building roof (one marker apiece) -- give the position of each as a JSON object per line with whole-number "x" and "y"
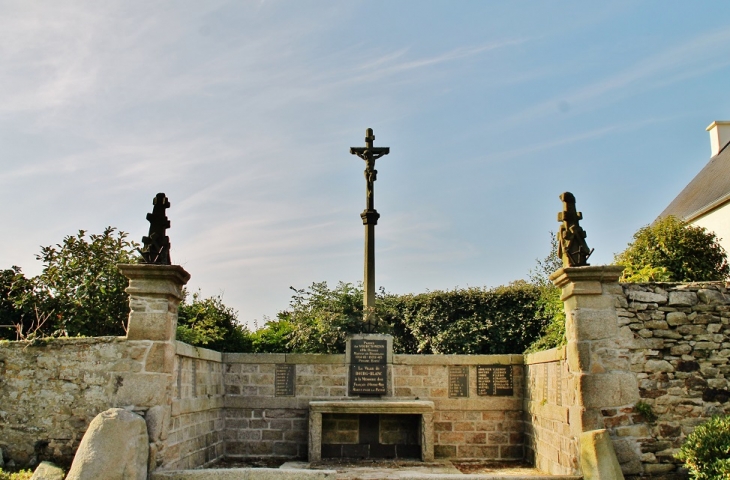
{"x": 708, "y": 190}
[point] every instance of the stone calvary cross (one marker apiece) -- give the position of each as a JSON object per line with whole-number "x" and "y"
{"x": 370, "y": 217}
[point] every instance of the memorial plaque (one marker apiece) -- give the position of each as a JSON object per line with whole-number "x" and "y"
{"x": 494, "y": 380}
{"x": 367, "y": 352}
{"x": 368, "y": 379}
{"x": 284, "y": 380}
{"x": 458, "y": 381}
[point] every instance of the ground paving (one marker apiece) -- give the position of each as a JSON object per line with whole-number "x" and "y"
{"x": 438, "y": 470}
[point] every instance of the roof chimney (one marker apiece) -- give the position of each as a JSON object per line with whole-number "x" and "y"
{"x": 719, "y": 135}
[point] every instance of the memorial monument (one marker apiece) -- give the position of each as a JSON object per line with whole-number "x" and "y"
{"x": 370, "y": 217}
{"x": 368, "y": 355}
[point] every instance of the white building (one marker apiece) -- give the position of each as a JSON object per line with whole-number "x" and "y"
{"x": 705, "y": 201}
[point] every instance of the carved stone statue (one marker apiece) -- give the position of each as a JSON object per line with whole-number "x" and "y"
{"x": 156, "y": 245}
{"x": 572, "y": 246}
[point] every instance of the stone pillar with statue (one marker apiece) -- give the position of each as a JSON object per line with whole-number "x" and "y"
{"x": 598, "y": 366}
{"x": 155, "y": 291}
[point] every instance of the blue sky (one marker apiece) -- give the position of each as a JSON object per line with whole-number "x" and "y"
{"x": 243, "y": 114}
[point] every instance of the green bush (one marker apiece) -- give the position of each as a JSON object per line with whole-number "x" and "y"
{"x": 470, "y": 321}
{"x": 79, "y": 292}
{"x": 673, "y": 250}
{"x": 272, "y": 338}
{"x": 20, "y": 475}
{"x": 549, "y": 302}
{"x": 706, "y": 451}
{"x": 207, "y": 322}
{"x": 483, "y": 321}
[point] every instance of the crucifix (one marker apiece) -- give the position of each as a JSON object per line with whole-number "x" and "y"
{"x": 369, "y": 219}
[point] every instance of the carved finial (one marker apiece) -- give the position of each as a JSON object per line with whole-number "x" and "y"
{"x": 156, "y": 245}
{"x": 572, "y": 246}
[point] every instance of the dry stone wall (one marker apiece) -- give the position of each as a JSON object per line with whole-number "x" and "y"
{"x": 676, "y": 339}
{"x": 51, "y": 390}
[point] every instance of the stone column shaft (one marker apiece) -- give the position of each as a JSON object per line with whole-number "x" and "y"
{"x": 369, "y": 294}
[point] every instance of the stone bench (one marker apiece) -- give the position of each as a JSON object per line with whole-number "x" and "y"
{"x": 380, "y": 407}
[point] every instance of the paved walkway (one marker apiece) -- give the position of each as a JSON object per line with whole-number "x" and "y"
{"x": 439, "y": 470}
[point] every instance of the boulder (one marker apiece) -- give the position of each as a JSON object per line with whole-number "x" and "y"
{"x": 47, "y": 471}
{"x": 114, "y": 447}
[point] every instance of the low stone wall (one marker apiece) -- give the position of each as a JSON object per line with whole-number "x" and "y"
{"x": 196, "y": 425}
{"x": 633, "y": 352}
{"x": 676, "y": 342}
{"x": 550, "y": 444}
{"x": 51, "y": 390}
{"x": 258, "y": 423}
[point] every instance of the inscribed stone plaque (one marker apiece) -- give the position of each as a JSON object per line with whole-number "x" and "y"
{"x": 284, "y": 378}
{"x": 494, "y": 380}
{"x": 559, "y": 381}
{"x": 369, "y": 352}
{"x": 368, "y": 379}
{"x": 458, "y": 381}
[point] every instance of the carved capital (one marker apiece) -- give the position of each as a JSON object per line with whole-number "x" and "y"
{"x": 370, "y": 217}
{"x": 585, "y": 280}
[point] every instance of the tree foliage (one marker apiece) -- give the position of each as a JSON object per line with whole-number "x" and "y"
{"x": 504, "y": 319}
{"x": 472, "y": 320}
{"x": 673, "y": 250}
{"x": 79, "y": 292}
{"x": 553, "y": 333}
{"x": 207, "y": 322}
{"x": 321, "y": 318}
{"x": 85, "y": 286}
{"x": 22, "y": 304}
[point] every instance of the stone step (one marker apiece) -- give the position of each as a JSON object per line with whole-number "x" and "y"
{"x": 338, "y": 470}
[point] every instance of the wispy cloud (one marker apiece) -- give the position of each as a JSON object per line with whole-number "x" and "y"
{"x": 696, "y": 57}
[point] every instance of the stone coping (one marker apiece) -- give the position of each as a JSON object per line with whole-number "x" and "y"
{"x": 398, "y": 359}
{"x": 546, "y": 356}
{"x": 185, "y": 350}
{"x": 63, "y": 341}
{"x": 184, "y": 406}
{"x": 441, "y": 404}
{"x": 507, "y": 359}
{"x": 147, "y": 271}
{"x": 372, "y": 406}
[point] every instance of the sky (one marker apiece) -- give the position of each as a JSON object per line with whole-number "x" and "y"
{"x": 243, "y": 113}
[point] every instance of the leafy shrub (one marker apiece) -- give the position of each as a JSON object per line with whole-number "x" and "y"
{"x": 673, "y": 250}
{"x": 471, "y": 321}
{"x": 79, "y": 292}
{"x": 549, "y": 302}
{"x": 504, "y": 319}
{"x": 553, "y": 333}
{"x": 321, "y": 318}
{"x": 85, "y": 284}
{"x": 272, "y": 338}
{"x": 207, "y": 322}
{"x": 20, "y": 475}
{"x": 706, "y": 451}
{"x": 21, "y": 300}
